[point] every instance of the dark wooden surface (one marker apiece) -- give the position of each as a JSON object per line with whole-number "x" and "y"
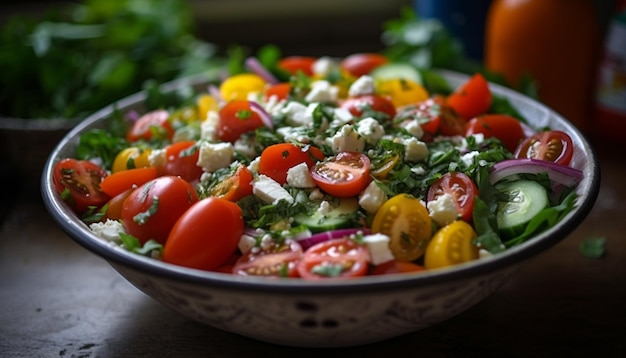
{"x": 59, "y": 300}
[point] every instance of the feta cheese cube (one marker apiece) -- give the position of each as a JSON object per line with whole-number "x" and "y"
{"x": 415, "y": 150}
{"x": 468, "y": 158}
{"x": 297, "y": 114}
{"x": 322, "y": 91}
{"x": 108, "y": 231}
{"x": 246, "y": 242}
{"x": 324, "y": 66}
{"x": 157, "y": 157}
{"x": 347, "y": 140}
{"x": 372, "y": 198}
{"x": 214, "y": 156}
{"x": 414, "y": 128}
{"x": 363, "y": 85}
{"x": 378, "y": 247}
{"x": 443, "y": 209}
{"x": 299, "y": 176}
{"x": 269, "y": 190}
{"x": 208, "y": 127}
{"x": 371, "y": 130}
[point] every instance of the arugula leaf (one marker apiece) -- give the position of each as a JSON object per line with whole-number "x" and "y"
{"x": 593, "y": 247}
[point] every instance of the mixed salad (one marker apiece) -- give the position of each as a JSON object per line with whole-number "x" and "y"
{"x": 321, "y": 168}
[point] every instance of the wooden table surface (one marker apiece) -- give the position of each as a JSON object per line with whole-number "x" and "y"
{"x": 59, "y": 300}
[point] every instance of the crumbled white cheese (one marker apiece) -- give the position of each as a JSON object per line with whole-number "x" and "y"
{"x": 443, "y": 209}
{"x": 341, "y": 116}
{"x": 246, "y": 242}
{"x": 371, "y": 130}
{"x": 414, "y": 128}
{"x": 362, "y": 86}
{"x": 157, "y": 158}
{"x": 372, "y": 198}
{"x": 297, "y": 114}
{"x": 378, "y": 247}
{"x": 214, "y": 156}
{"x": 415, "y": 150}
{"x": 324, "y": 208}
{"x": 208, "y": 127}
{"x": 253, "y": 167}
{"x": 468, "y": 158}
{"x": 109, "y": 230}
{"x": 299, "y": 176}
{"x": 324, "y": 66}
{"x": 322, "y": 91}
{"x": 347, "y": 140}
{"x": 269, "y": 190}
{"x": 316, "y": 194}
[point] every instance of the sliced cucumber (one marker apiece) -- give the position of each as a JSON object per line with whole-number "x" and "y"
{"x": 399, "y": 70}
{"x": 338, "y": 215}
{"x": 526, "y": 198}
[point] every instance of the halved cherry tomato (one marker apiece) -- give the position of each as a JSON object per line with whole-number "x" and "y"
{"x": 277, "y": 159}
{"x": 395, "y": 266}
{"x": 506, "y": 128}
{"x": 152, "y": 125}
{"x": 435, "y": 117}
{"x": 362, "y": 104}
{"x": 344, "y": 175}
{"x": 181, "y": 159}
{"x": 334, "y": 259}
{"x": 205, "y": 236}
{"x": 115, "y": 205}
{"x": 152, "y": 209}
{"x": 295, "y": 64}
{"x": 471, "y": 98}
{"x": 78, "y": 183}
{"x": 273, "y": 260}
{"x": 360, "y": 64}
{"x": 235, "y": 119}
{"x": 461, "y": 187}
{"x": 451, "y": 245}
{"x": 553, "y": 146}
{"x": 131, "y": 158}
{"x": 239, "y": 86}
{"x": 406, "y": 221}
{"x": 279, "y": 90}
{"x": 119, "y": 182}
{"x": 235, "y": 187}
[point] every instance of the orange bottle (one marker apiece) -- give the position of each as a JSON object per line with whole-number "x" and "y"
{"x": 554, "y": 41}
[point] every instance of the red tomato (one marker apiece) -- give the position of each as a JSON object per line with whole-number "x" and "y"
{"x": 553, "y": 146}
{"x": 235, "y": 119}
{"x": 78, "y": 183}
{"x": 114, "y": 206}
{"x": 506, "y": 128}
{"x": 205, "y": 236}
{"x": 360, "y": 105}
{"x": 119, "y": 182}
{"x": 154, "y": 123}
{"x": 235, "y": 187}
{"x": 280, "y": 90}
{"x": 360, "y": 64}
{"x": 471, "y": 98}
{"x": 276, "y": 260}
{"x": 435, "y": 117}
{"x": 461, "y": 187}
{"x": 151, "y": 210}
{"x": 395, "y": 266}
{"x": 295, "y": 64}
{"x": 181, "y": 159}
{"x": 278, "y": 158}
{"x": 333, "y": 259}
{"x": 343, "y": 175}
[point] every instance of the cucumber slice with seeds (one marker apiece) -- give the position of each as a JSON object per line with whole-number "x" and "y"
{"x": 338, "y": 215}
{"x": 526, "y": 198}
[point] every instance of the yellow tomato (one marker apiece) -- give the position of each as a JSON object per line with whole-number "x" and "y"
{"x": 406, "y": 221}
{"x": 238, "y": 87}
{"x": 131, "y": 158}
{"x": 402, "y": 91}
{"x": 452, "y": 244}
{"x": 206, "y": 103}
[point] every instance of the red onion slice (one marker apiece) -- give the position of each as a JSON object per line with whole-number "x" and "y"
{"x": 559, "y": 174}
{"x": 265, "y": 117}
{"x": 329, "y": 235}
{"x": 257, "y": 67}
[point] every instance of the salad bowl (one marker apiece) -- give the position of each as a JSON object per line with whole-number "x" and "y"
{"x": 341, "y": 313}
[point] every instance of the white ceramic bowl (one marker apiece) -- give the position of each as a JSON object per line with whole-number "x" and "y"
{"x": 325, "y": 314}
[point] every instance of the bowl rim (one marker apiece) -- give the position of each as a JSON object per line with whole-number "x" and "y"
{"x": 118, "y": 257}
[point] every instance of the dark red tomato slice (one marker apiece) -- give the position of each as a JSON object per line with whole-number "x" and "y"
{"x": 273, "y": 260}
{"x": 152, "y": 209}
{"x": 235, "y": 187}
{"x": 506, "y": 128}
{"x": 553, "y": 146}
{"x": 461, "y": 187}
{"x": 279, "y": 90}
{"x": 152, "y": 125}
{"x": 277, "y": 159}
{"x": 235, "y": 119}
{"x": 181, "y": 159}
{"x": 360, "y": 64}
{"x": 295, "y": 64}
{"x": 395, "y": 266}
{"x": 363, "y": 104}
{"x": 471, "y": 98}
{"x": 334, "y": 259}
{"x": 78, "y": 183}
{"x": 435, "y": 117}
{"x": 344, "y": 175}
{"x": 205, "y": 236}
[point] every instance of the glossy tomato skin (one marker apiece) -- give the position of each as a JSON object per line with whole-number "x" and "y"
{"x": 115, "y": 205}
{"x": 235, "y": 119}
{"x": 277, "y": 159}
{"x": 205, "y": 236}
{"x": 506, "y": 128}
{"x": 360, "y": 64}
{"x": 553, "y": 146}
{"x": 151, "y": 210}
{"x": 121, "y": 181}
{"x": 395, "y": 266}
{"x": 181, "y": 159}
{"x": 155, "y": 122}
{"x": 435, "y": 116}
{"x": 78, "y": 183}
{"x": 235, "y": 187}
{"x": 359, "y": 105}
{"x": 295, "y": 64}
{"x": 471, "y": 98}
{"x": 273, "y": 260}
{"x": 334, "y": 259}
{"x": 344, "y": 175}
{"x": 461, "y": 187}
{"x": 451, "y": 245}
{"x": 280, "y": 91}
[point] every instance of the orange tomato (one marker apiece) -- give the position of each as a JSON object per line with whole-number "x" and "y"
{"x": 119, "y": 182}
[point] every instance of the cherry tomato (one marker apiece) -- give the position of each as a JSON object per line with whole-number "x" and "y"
{"x": 346, "y": 174}
{"x": 78, "y": 183}
{"x": 435, "y": 117}
{"x": 239, "y": 86}
{"x": 395, "y": 266}
{"x": 451, "y": 245}
{"x": 402, "y": 91}
{"x": 461, "y": 187}
{"x": 114, "y": 206}
{"x": 152, "y": 125}
{"x": 506, "y": 128}
{"x": 280, "y": 90}
{"x": 295, "y": 64}
{"x": 334, "y": 259}
{"x": 553, "y": 146}
{"x": 273, "y": 260}
{"x": 235, "y": 119}
{"x": 131, "y": 158}
{"x": 119, "y": 182}
{"x": 152, "y": 209}
{"x": 205, "y": 104}
{"x": 205, "y": 236}
{"x": 360, "y": 105}
{"x": 360, "y": 64}
{"x": 406, "y": 221}
{"x": 471, "y": 98}
{"x": 235, "y": 187}
{"x": 181, "y": 159}
{"x": 277, "y": 159}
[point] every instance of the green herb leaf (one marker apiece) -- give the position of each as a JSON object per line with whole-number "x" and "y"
{"x": 593, "y": 247}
